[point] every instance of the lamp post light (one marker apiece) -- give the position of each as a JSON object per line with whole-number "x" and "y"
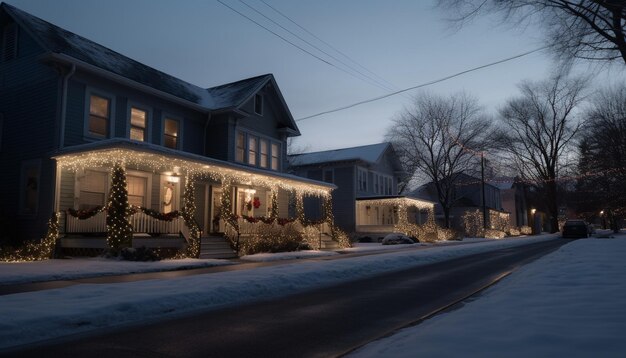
{"x": 603, "y": 219}
{"x": 532, "y": 220}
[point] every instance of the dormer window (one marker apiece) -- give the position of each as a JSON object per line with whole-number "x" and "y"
{"x": 9, "y": 42}
{"x": 258, "y": 104}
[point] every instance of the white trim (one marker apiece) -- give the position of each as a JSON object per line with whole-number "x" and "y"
{"x": 148, "y": 129}
{"x": 89, "y": 91}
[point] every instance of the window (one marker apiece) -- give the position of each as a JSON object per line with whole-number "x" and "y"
{"x": 252, "y": 149}
{"x": 258, "y": 104}
{"x": 9, "y": 42}
{"x": 275, "y": 156}
{"x": 362, "y": 179}
{"x": 136, "y": 187}
{"x": 241, "y": 147}
{"x": 92, "y": 189}
{"x": 329, "y": 176}
{"x": 99, "y": 116}
{"x": 264, "y": 153}
{"x": 138, "y": 120}
{"x": 170, "y": 133}
{"x": 29, "y": 193}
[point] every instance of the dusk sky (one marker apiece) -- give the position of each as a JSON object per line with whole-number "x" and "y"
{"x": 404, "y": 42}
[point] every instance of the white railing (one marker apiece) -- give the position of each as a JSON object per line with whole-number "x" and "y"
{"x": 141, "y": 223}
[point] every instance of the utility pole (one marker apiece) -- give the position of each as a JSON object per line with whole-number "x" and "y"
{"x": 482, "y": 179}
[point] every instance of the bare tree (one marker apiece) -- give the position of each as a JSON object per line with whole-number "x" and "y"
{"x": 439, "y": 138}
{"x": 602, "y": 160}
{"x": 574, "y": 29}
{"x": 538, "y": 127}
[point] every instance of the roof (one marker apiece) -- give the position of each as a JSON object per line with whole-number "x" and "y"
{"x": 367, "y": 153}
{"x": 57, "y": 40}
{"x": 169, "y": 156}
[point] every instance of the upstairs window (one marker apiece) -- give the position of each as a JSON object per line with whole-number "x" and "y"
{"x": 252, "y": 149}
{"x": 138, "y": 120}
{"x": 171, "y": 129}
{"x": 362, "y": 179}
{"x": 9, "y": 42}
{"x": 275, "y": 156}
{"x": 264, "y": 154}
{"x": 99, "y": 116}
{"x": 258, "y": 104}
{"x": 241, "y": 147}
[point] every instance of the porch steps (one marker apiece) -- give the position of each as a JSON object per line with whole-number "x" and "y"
{"x": 328, "y": 244}
{"x": 215, "y": 247}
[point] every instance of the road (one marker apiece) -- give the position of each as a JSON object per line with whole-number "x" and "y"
{"x": 322, "y": 323}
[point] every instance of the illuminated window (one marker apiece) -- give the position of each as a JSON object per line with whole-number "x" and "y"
{"x": 92, "y": 189}
{"x": 241, "y": 147}
{"x": 9, "y": 42}
{"x": 275, "y": 156}
{"x": 170, "y": 133}
{"x": 258, "y": 104}
{"x": 264, "y": 153}
{"x": 136, "y": 187}
{"x": 138, "y": 119}
{"x": 252, "y": 149}
{"x": 99, "y": 116}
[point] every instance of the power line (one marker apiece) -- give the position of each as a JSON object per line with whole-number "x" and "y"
{"x": 376, "y": 82}
{"x": 289, "y": 42}
{"x": 328, "y": 44}
{"x": 421, "y": 85}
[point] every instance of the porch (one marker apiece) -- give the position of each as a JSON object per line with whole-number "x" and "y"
{"x": 382, "y": 215}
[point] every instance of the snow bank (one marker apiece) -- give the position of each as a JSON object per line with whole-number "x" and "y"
{"x": 35, "y": 316}
{"x": 570, "y": 303}
{"x": 71, "y": 269}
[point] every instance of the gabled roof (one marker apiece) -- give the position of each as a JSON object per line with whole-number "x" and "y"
{"x": 75, "y": 48}
{"x": 366, "y": 153}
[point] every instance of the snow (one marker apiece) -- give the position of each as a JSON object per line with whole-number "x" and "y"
{"x": 35, "y": 316}
{"x": 71, "y": 269}
{"x": 265, "y": 257}
{"x": 368, "y": 153}
{"x": 568, "y": 304}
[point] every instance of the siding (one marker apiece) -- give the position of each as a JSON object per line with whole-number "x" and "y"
{"x": 344, "y": 198}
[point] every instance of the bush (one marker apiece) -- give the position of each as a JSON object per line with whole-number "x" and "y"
{"x": 139, "y": 254}
{"x": 397, "y": 239}
{"x": 494, "y": 234}
{"x": 448, "y": 234}
{"x": 526, "y": 230}
{"x": 274, "y": 238}
{"x": 514, "y": 232}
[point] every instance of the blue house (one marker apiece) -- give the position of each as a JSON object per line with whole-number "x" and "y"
{"x": 366, "y": 200}
{"x": 71, "y": 108}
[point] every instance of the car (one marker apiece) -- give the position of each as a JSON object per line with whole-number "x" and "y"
{"x": 575, "y": 229}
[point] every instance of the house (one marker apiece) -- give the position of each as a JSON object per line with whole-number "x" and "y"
{"x": 366, "y": 199}
{"x": 467, "y": 198}
{"x": 70, "y": 109}
{"x": 513, "y": 195}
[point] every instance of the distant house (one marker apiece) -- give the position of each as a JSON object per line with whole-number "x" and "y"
{"x": 366, "y": 199}
{"x": 466, "y": 196}
{"x": 513, "y": 194}
{"x": 71, "y": 108}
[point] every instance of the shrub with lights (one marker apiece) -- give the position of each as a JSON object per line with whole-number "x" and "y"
{"x": 36, "y": 250}
{"x": 119, "y": 228}
{"x": 188, "y": 213}
{"x": 473, "y": 223}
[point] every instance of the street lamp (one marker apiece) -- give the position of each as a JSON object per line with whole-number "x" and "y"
{"x": 603, "y": 219}
{"x": 532, "y": 220}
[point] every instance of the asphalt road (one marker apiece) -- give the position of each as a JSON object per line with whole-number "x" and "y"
{"x": 321, "y": 323}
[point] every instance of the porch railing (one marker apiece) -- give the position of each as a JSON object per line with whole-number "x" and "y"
{"x": 141, "y": 223}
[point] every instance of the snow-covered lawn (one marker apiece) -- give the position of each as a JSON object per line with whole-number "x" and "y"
{"x": 304, "y": 254}
{"x": 71, "y": 269}
{"x": 571, "y": 303}
{"x": 34, "y": 316}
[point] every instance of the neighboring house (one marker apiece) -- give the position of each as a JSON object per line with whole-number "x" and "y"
{"x": 366, "y": 199}
{"x": 513, "y": 194}
{"x": 466, "y": 196}
{"x": 71, "y": 108}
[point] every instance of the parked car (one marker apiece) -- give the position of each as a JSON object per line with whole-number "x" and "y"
{"x": 575, "y": 229}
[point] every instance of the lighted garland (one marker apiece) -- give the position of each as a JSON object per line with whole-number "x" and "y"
{"x": 85, "y": 214}
{"x": 188, "y": 213}
{"x": 157, "y": 214}
{"x": 274, "y": 207}
{"x": 119, "y": 228}
{"x": 299, "y": 203}
{"x": 35, "y": 251}
{"x": 336, "y": 233}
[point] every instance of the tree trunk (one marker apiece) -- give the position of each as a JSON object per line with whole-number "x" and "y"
{"x": 553, "y": 208}
{"x": 446, "y": 217}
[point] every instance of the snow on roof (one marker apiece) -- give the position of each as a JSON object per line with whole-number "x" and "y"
{"x": 367, "y": 153}
{"x": 61, "y": 41}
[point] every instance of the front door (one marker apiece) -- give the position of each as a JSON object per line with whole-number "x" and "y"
{"x": 217, "y": 225}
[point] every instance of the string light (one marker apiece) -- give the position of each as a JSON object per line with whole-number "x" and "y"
{"x": 35, "y": 251}
{"x": 188, "y": 214}
{"x": 118, "y": 227}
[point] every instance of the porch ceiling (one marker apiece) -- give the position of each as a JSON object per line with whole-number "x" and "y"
{"x": 162, "y": 160}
